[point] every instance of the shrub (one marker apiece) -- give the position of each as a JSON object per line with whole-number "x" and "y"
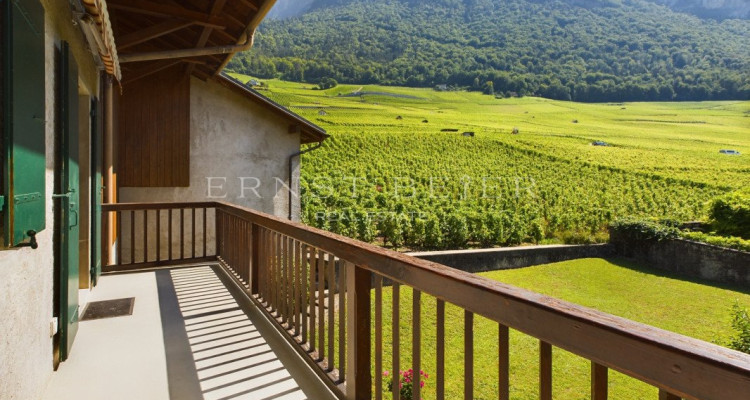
{"x": 730, "y": 214}
{"x": 741, "y": 324}
{"x": 456, "y": 233}
{"x": 642, "y": 229}
{"x": 721, "y": 241}
{"x": 432, "y": 234}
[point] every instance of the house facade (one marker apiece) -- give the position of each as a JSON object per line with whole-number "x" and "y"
{"x": 119, "y": 101}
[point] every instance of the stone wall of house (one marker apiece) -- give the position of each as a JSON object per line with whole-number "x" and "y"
{"x": 239, "y": 153}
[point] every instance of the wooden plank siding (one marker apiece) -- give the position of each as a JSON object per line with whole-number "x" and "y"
{"x": 154, "y": 131}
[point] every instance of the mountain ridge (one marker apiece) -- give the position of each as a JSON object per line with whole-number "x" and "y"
{"x": 583, "y": 50}
{"x": 716, "y": 9}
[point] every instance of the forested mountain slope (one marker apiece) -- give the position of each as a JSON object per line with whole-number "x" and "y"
{"x": 584, "y": 50}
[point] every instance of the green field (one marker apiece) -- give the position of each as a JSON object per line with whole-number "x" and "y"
{"x": 422, "y": 184}
{"x": 694, "y": 309}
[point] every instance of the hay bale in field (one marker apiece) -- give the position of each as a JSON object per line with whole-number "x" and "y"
{"x": 399, "y": 118}
{"x": 468, "y": 134}
{"x": 516, "y": 131}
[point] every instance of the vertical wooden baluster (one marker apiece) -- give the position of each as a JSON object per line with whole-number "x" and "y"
{"x": 664, "y": 395}
{"x": 104, "y": 238}
{"x": 321, "y": 307}
{"x": 158, "y": 235}
{"x": 265, "y": 266}
{"x": 311, "y": 295}
{"x": 132, "y": 236}
{"x": 271, "y": 271}
{"x": 342, "y": 320}
{"x": 293, "y": 286}
{"x": 545, "y": 370}
{"x": 468, "y": 355}
{"x": 599, "y": 382}
{"x": 169, "y": 234}
{"x": 182, "y": 234}
{"x": 290, "y": 283}
{"x": 282, "y": 280}
{"x": 274, "y": 282}
{"x": 277, "y": 267}
{"x": 244, "y": 251}
{"x": 299, "y": 295}
{"x": 440, "y": 350}
{"x": 254, "y": 260}
{"x": 416, "y": 346}
{"x": 378, "y": 337}
{"x": 332, "y": 262}
{"x": 396, "y": 343}
{"x": 119, "y": 238}
{"x": 233, "y": 240}
{"x": 303, "y": 290}
{"x": 503, "y": 361}
{"x": 145, "y": 236}
{"x": 192, "y": 243}
{"x": 205, "y": 231}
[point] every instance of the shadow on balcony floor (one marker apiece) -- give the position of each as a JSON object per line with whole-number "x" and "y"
{"x": 188, "y": 338}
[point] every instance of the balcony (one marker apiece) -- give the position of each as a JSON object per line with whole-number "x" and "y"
{"x": 238, "y": 304}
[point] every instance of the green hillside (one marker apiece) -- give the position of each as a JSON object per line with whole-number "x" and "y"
{"x": 548, "y": 182}
{"x": 584, "y": 50}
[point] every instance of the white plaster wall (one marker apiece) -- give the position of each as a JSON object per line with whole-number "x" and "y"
{"x": 26, "y": 288}
{"x": 231, "y": 137}
{"x": 26, "y": 275}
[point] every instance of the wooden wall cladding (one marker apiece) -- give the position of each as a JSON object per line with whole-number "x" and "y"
{"x": 153, "y": 139}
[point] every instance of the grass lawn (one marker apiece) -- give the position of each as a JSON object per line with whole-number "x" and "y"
{"x": 652, "y": 297}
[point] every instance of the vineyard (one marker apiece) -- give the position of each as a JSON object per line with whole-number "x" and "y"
{"x": 418, "y": 168}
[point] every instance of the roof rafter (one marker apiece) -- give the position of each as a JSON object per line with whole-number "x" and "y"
{"x": 203, "y": 39}
{"x": 152, "y": 32}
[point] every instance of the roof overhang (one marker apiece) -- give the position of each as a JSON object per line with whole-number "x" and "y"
{"x": 309, "y": 132}
{"x": 200, "y": 35}
{"x": 93, "y": 17}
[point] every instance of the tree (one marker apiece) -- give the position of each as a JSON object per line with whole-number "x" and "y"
{"x": 489, "y": 88}
{"x": 327, "y": 83}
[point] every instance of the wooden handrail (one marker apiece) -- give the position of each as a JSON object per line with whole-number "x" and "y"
{"x": 687, "y": 367}
{"x": 676, "y": 364}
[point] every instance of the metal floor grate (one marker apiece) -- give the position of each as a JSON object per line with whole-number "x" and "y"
{"x": 108, "y": 309}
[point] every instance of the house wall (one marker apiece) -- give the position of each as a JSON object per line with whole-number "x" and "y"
{"x": 231, "y": 138}
{"x": 26, "y": 275}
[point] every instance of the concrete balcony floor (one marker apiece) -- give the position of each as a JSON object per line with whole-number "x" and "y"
{"x": 188, "y": 338}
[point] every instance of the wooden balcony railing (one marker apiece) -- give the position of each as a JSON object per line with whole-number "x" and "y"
{"x": 319, "y": 288}
{"x": 157, "y": 234}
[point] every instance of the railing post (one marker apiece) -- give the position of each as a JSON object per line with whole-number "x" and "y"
{"x": 358, "y": 374}
{"x": 255, "y": 259}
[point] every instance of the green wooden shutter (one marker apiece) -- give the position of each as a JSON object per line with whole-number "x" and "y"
{"x": 23, "y": 118}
